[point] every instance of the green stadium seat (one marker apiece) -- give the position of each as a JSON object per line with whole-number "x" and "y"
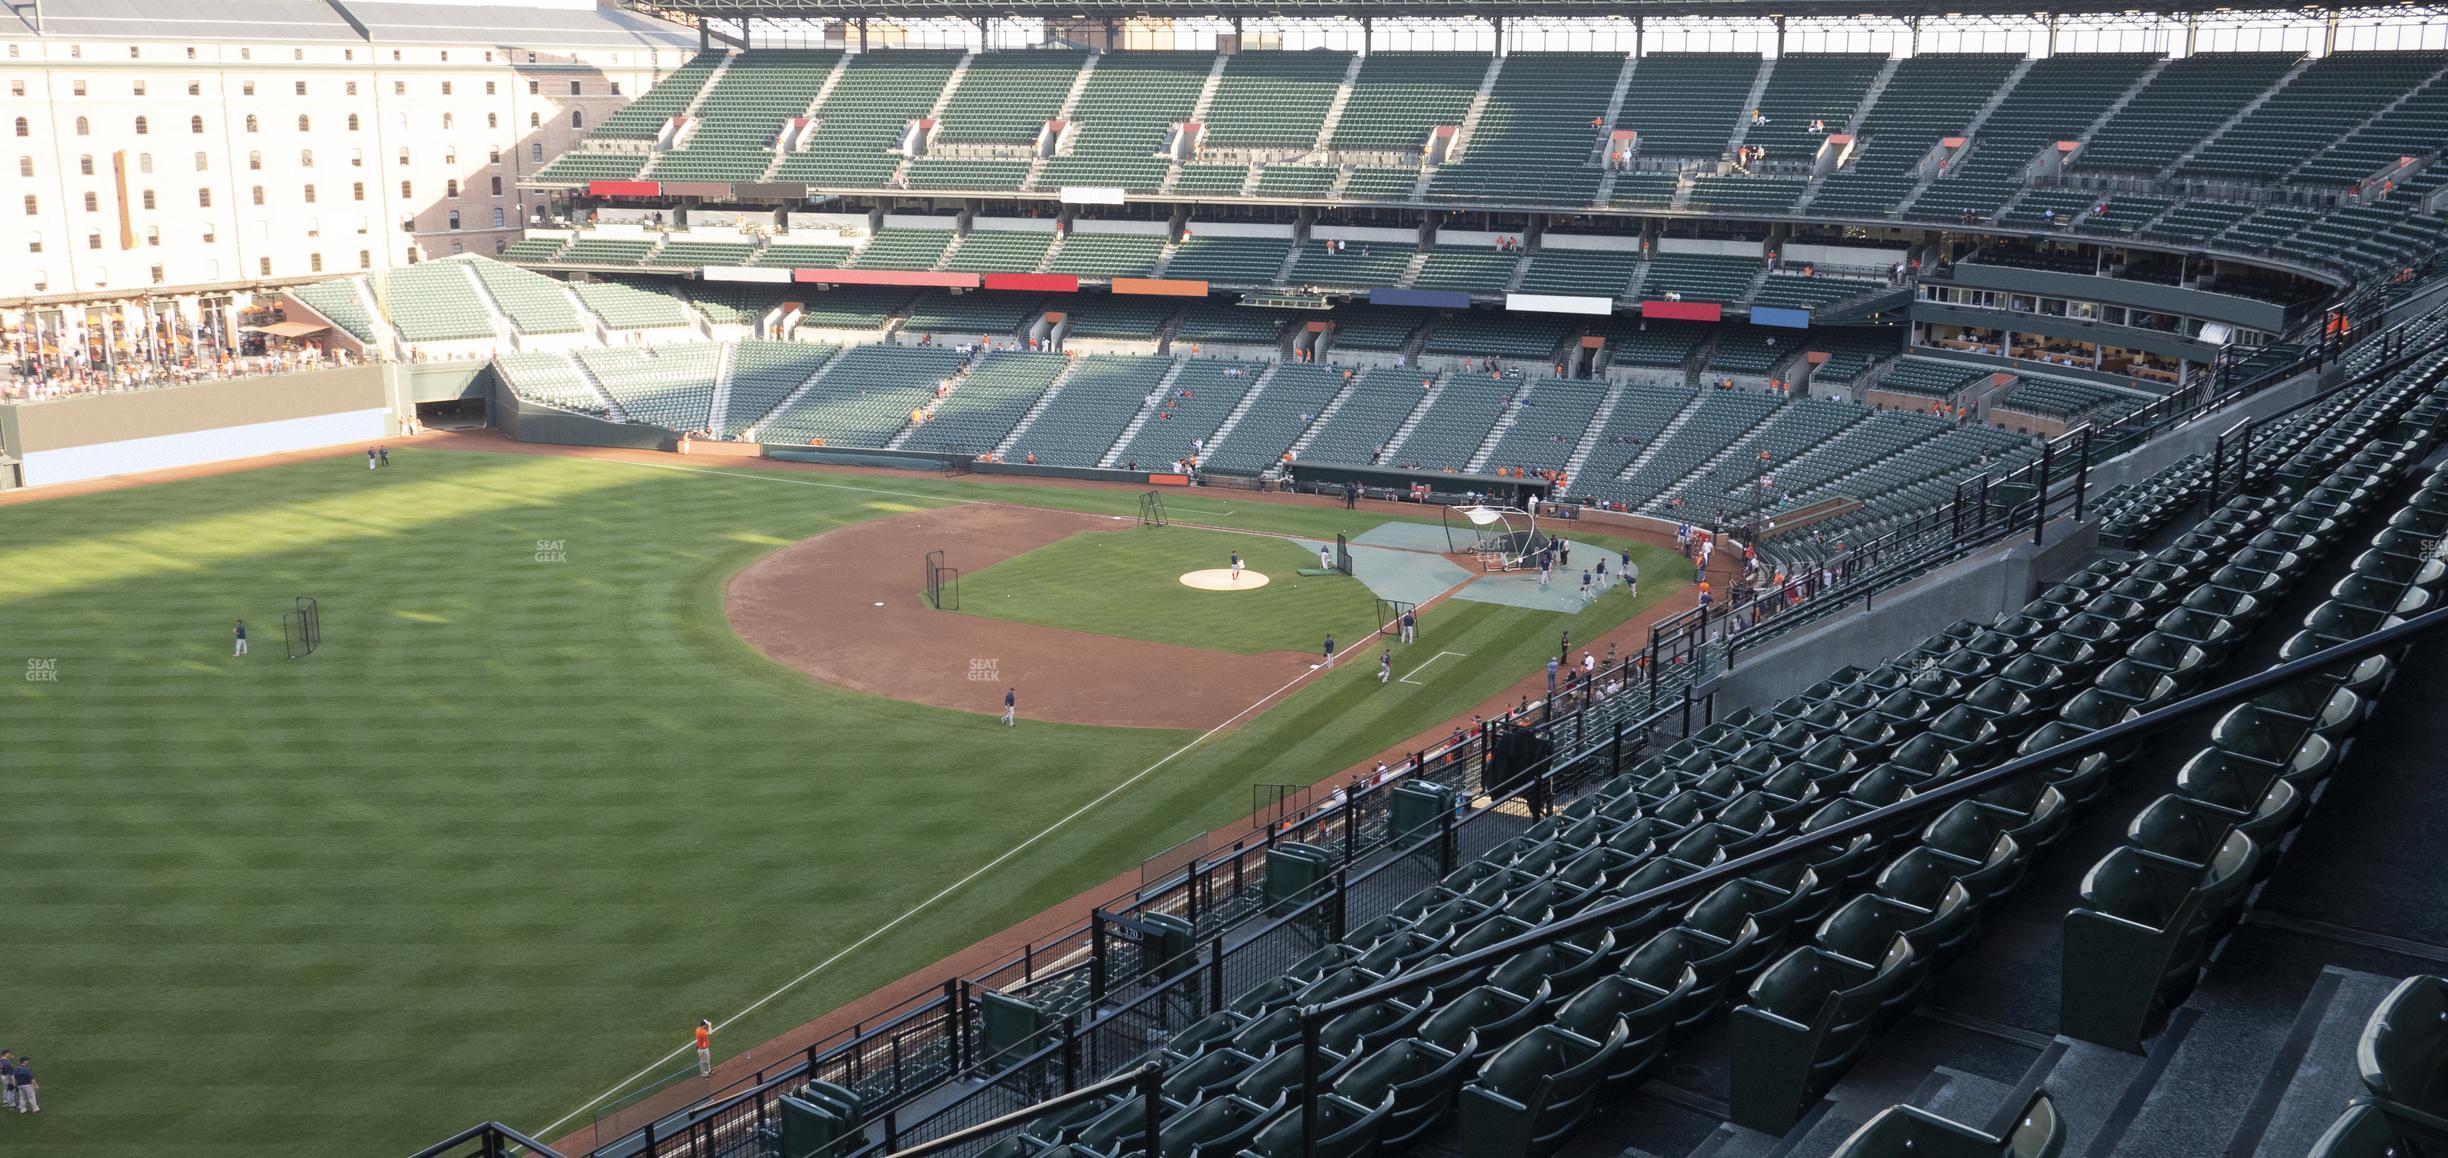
{"x": 1421, "y": 1077}
{"x": 1535, "y": 1092}
{"x": 2403, "y": 1053}
{"x": 2138, "y": 940}
{"x": 1644, "y": 1013}
{"x": 1346, "y": 1129}
{"x": 1911, "y": 1132}
{"x": 1808, "y": 1019}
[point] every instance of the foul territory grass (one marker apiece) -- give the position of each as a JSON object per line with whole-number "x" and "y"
{"x": 1129, "y": 584}
{"x": 534, "y": 809}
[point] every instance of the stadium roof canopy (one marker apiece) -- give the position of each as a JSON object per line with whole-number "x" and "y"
{"x": 1814, "y": 10}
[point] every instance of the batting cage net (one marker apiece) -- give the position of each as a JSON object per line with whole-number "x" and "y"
{"x": 1390, "y": 613}
{"x": 1151, "y": 510}
{"x": 302, "y": 628}
{"x": 1503, "y": 538}
{"x": 942, "y": 583}
{"x": 1343, "y": 560}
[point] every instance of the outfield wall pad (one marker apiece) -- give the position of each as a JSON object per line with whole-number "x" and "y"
{"x": 98, "y": 435}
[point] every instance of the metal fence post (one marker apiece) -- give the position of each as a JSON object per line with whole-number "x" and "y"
{"x": 1615, "y": 750}
{"x": 1445, "y": 844}
{"x": 1687, "y": 707}
{"x": 1351, "y": 826}
{"x": 956, "y": 998}
{"x": 1096, "y": 955}
{"x": 1309, "y": 1081}
{"x": 1151, "y": 1094}
{"x": 1342, "y": 902}
{"x": 650, "y": 1140}
{"x": 2048, "y": 454}
{"x": 2082, "y": 474}
{"x": 1215, "y": 974}
{"x": 1070, "y": 1057}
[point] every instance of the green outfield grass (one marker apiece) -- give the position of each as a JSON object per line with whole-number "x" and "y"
{"x": 534, "y": 809}
{"x": 1129, "y": 585}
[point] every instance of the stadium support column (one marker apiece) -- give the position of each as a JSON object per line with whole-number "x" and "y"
{"x": 1780, "y": 37}
{"x": 1497, "y": 22}
{"x": 862, "y": 34}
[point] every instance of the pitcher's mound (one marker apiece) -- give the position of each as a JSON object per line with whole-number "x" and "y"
{"x": 1221, "y": 579}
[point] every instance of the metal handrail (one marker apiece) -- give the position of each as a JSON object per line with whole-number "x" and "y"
{"x": 1886, "y": 817}
{"x": 1145, "y": 1079}
{"x": 493, "y": 1134}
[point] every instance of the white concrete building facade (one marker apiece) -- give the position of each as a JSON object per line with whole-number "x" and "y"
{"x": 165, "y": 147}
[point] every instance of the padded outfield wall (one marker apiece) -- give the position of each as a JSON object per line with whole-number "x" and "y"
{"x": 91, "y": 436}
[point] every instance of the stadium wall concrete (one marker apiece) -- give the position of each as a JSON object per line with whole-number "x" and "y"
{"x": 535, "y": 422}
{"x": 97, "y": 435}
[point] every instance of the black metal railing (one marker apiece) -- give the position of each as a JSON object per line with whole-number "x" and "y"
{"x": 1869, "y": 823}
{"x": 1082, "y": 1050}
{"x": 490, "y": 1139}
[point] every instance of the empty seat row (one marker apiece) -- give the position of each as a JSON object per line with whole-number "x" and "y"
{"x": 2153, "y": 908}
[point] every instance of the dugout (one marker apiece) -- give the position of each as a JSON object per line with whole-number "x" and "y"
{"x": 1396, "y": 482}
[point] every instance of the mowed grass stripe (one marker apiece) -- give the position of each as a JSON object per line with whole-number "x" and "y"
{"x": 520, "y": 823}
{"x": 1129, "y": 585}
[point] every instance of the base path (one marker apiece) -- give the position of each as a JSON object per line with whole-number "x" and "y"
{"x": 814, "y": 606}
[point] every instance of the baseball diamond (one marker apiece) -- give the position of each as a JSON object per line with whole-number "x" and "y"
{"x": 806, "y": 579}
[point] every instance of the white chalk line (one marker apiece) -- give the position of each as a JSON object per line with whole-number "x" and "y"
{"x": 947, "y": 890}
{"x": 1416, "y": 668}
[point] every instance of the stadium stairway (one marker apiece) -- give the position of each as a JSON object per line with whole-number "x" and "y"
{"x": 492, "y": 308}
{"x": 1326, "y": 413}
{"x": 1664, "y": 436}
{"x": 725, "y": 367}
{"x": 1411, "y": 422}
{"x": 1036, "y": 409}
{"x": 2242, "y": 112}
{"x": 611, "y": 405}
{"x": 1147, "y": 410}
{"x": 751, "y": 423}
{"x": 1504, "y": 422}
{"x": 1589, "y": 438}
{"x": 1240, "y": 411}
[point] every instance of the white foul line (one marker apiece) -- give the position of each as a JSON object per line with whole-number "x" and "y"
{"x": 1415, "y": 668}
{"x": 948, "y": 890}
